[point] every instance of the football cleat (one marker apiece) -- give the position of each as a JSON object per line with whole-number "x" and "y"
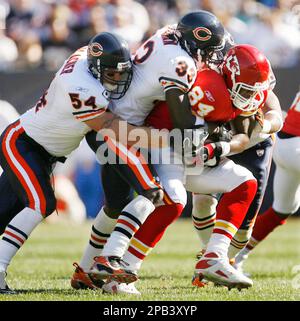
{"x": 4, "y": 288}
{"x": 81, "y": 280}
{"x": 111, "y": 267}
{"x": 219, "y": 271}
{"x": 113, "y": 287}
{"x": 200, "y": 254}
{"x": 199, "y": 283}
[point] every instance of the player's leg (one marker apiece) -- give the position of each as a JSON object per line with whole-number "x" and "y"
{"x": 118, "y": 194}
{"x": 143, "y": 178}
{"x": 258, "y": 160}
{"x": 204, "y": 216}
{"x": 27, "y": 168}
{"x": 152, "y": 230}
{"x": 238, "y": 188}
{"x": 286, "y": 188}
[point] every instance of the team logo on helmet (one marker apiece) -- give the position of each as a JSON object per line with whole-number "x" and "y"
{"x": 232, "y": 65}
{"x": 95, "y": 49}
{"x": 202, "y": 33}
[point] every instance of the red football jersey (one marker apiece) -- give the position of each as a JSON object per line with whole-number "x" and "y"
{"x": 209, "y": 99}
{"x": 292, "y": 121}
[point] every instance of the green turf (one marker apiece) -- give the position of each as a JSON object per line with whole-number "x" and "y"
{"x": 42, "y": 269}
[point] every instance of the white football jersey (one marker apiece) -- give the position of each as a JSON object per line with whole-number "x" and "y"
{"x": 159, "y": 65}
{"x": 74, "y": 96}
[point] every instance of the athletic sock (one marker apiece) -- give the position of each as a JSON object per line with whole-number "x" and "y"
{"x": 16, "y": 233}
{"x": 128, "y": 223}
{"x": 150, "y": 234}
{"x": 239, "y": 241}
{"x": 264, "y": 225}
{"x": 204, "y": 216}
{"x": 231, "y": 211}
{"x": 101, "y": 230}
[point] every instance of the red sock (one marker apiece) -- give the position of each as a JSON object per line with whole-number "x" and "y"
{"x": 155, "y": 225}
{"x": 233, "y": 207}
{"x": 266, "y": 223}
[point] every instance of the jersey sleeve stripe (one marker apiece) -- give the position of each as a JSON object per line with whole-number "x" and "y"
{"x": 174, "y": 81}
{"x": 91, "y": 115}
{"x": 175, "y": 87}
{"x": 87, "y": 111}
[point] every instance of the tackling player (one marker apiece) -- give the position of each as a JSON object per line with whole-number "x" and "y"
{"x": 241, "y": 188}
{"x": 74, "y": 104}
{"x": 164, "y": 69}
{"x": 214, "y": 105}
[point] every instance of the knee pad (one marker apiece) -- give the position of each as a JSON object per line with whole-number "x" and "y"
{"x": 154, "y": 195}
{"x": 204, "y": 205}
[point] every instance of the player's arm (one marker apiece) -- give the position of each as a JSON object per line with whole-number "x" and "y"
{"x": 272, "y": 120}
{"x": 180, "y": 109}
{"x": 241, "y": 128}
{"x": 109, "y": 124}
{"x": 238, "y": 143}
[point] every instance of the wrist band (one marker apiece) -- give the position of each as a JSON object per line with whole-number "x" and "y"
{"x": 266, "y": 127}
{"x": 225, "y": 148}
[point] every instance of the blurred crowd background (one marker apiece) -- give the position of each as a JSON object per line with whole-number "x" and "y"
{"x": 41, "y": 34}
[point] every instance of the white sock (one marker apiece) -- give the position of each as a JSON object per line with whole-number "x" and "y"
{"x": 101, "y": 230}
{"x": 239, "y": 241}
{"x": 130, "y": 220}
{"x": 204, "y": 216}
{"x": 16, "y": 233}
{"x": 219, "y": 244}
{"x": 134, "y": 262}
{"x": 242, "y": 256}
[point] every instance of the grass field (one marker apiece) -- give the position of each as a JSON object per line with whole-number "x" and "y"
{"x": 42, "y": 269}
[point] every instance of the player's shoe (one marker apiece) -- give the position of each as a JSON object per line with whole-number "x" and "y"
{"x": 240, "y": 260}
{"x": 4, "y": 288}
{"x": 199, "y": 281}
{"x": 113, "y": 268}
{"x": 218, "y": 270}
{"x": 81, "y": 280}
{"x": 113, "y": 287}
{"x": 196, "y": 279}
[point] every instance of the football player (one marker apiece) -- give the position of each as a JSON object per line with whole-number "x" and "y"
{"x": 74, "y": 104}
{"x": 240, "y": 184}
{"x": 214, "y": 105}
{"x": 164, "y": 69}
{"x": 257, "y": 158}
{"x": 286, "y": 183}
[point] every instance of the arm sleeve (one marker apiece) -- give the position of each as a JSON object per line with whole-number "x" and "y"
{"x": 179, "y": 73}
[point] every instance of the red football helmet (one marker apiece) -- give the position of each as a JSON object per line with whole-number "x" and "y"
{"x": 247, "y": 73}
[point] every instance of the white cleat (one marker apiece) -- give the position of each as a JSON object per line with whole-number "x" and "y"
{"x": 4, "y": 289}
{"x": 219, "y": 271}
{"x": 239, "y": 262}
{"x": 113, "y": 287}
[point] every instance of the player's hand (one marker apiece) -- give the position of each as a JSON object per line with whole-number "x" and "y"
{"x": 215, "y": 151}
